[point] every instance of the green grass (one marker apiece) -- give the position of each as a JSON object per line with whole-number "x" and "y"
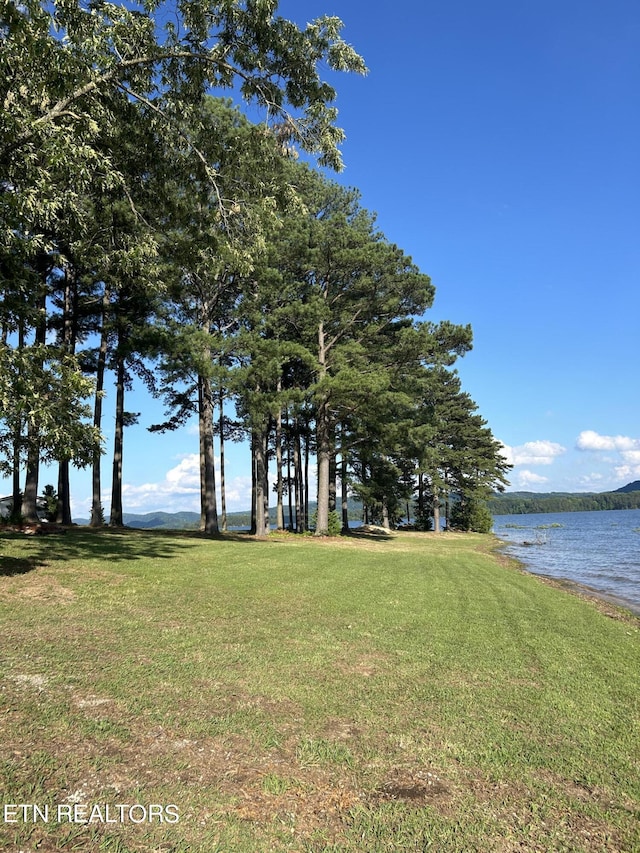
{"x": 404, "y": 694}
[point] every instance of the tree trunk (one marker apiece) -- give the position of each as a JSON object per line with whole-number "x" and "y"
{"x": 421, "y": 497}
{"x": 97, "y": 513}
{"x": 279, "y": 484}
{"x": 254, "y": 488}
{"x": 436, "y": 509}
{"x": 265, "y": 492}
{"x": 223, "y": 496}
{"x": 289, "y": 482}
{"x": 323, "y": 446}
{"x": 29, "y": 509}
{"x": 116, "y": 518}
{"x": 343, "y": 481}
{"x": 297, "y": 465}
{"x": 333, "y": 475}
{"x": 16, "y": 491}
{"x": 322, "y": 427}
{"x": 447, "y": 504}
{"x": 262, "y": 496}
{"x": 208, "y": 505}
{"x": 305, "y": 492}
{"x": 63, "y": 511}
{"x": 385, "y": 513}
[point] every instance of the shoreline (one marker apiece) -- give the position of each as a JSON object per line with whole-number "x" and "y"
{"x": 607, "y": 602}
{"x": 598, "y": 596}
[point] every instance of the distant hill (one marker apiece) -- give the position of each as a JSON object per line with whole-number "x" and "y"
{"x": 630, "y": 487}
{"x": 514, "y": 503}
{"x": 507, "y": 503}
{"x": 157, "y": 520}
{"x": 191, "y": 520}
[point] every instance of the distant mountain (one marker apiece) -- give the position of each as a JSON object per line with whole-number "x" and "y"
{"x": 166, "y": 520}
{"x": 191, "y": 520}
{"x": 630, "y": 487}
{"x": 506, "y": 503}
{"x": 510, "y": 503}
{"x": 157, "y": 520}
{"x": 184, "y": 520}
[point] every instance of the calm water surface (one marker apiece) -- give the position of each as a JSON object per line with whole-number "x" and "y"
{"x": 598, "y": 549}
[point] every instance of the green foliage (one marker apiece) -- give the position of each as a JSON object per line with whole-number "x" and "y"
{"x": 334, "y": 527}
{"x": 51, "y": 498}
{"x": 471, "y": 515}
{"x": 98, "y": 516}
{"x": 424, "y": 519}
{"x": 44, "y": 389}
{"x": 335, "y": 524}
{"x": 69, "y": 72}
{"x": 515, "y": 503}
{"x": 141, "y": 210}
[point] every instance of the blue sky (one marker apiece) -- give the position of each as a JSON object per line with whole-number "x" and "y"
{"x": 498, "y": 144}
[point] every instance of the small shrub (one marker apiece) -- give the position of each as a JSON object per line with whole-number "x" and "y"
{"x": 51, "y": 498}
{"x": 97, "y": 517}
{"x": 334, "y": 527}
{"x": 424, "y": 521}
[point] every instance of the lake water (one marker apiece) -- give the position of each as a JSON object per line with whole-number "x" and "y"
{"x": 598, "y": 549}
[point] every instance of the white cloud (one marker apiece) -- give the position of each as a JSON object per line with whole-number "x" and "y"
{"x": 589, "y": 481}
{"x": 533, "y": 453}
{"x": 180, "y": 490}
{"x": 528, "y": 478}
{"x": 627, "y": 448}
{"x": 627, "y": 472}
{"x": 185, "y": 477}
{"x": 590, "y": 440}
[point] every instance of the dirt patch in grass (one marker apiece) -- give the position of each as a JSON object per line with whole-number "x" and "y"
{"x": 365, "y": 665}
{"x": 418, "y": 788}
{"x": 341, "y": 730}
{"x": 299, "y": 791}
{"x": 40, "y": 588}
{"x": 31, "y": 578}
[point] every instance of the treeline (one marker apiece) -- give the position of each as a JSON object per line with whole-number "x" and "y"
{"x": 508, "y": 504}
{"x": 151, "y": 233}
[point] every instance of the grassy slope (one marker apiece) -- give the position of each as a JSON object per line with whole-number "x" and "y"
{"x": 375, "y": 695}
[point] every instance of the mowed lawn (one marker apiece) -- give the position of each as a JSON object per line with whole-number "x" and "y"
{"x": 408, "y": 693}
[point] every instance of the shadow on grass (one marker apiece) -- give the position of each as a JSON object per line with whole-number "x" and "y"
{"x": 125, "y": 544}
{"x": 369, "y": 536}
{"x": 105, "y": 544}
{"x": 112, "y": 544}
{"x": 10, "y": 566}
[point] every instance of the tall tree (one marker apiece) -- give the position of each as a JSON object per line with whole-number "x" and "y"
{"x": 351, "y": 285}
{"x": 69, "y": 72}
{"x": 210, "y": 247}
